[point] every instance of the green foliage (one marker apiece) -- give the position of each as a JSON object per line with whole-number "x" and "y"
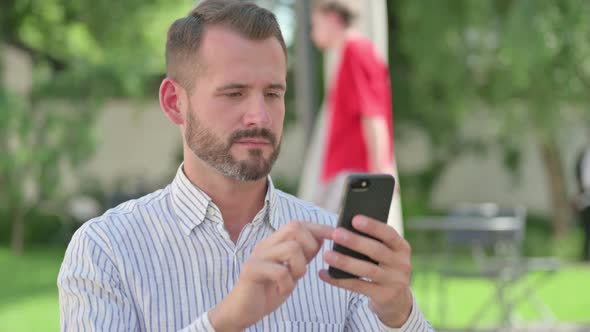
{"x": 35, "y": 142}
{"x": 82, "y": 53}
{"x": 523, "y": 60}
{"x": 285, "y": 185}
{"x": 91, "y": 48}
{"x": 41, "y": 230}
{"x": 521, "y": 63}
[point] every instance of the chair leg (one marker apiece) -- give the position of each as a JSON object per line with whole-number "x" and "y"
{"x": 505, "y": 305}
{"x": 529, "y": 294}
{"x": 442, "y": 299}
{"x": 498, "y": 298}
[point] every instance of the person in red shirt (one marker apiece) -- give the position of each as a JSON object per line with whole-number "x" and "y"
{"x": 359, "y": 134}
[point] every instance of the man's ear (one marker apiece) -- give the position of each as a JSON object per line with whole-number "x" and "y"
{"x": 171, "y": 97}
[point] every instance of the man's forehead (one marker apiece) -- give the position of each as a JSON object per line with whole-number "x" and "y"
{"x": 221, "y": 43}
{"x": 217, "y": 32}
{"x": 219, "y": 36}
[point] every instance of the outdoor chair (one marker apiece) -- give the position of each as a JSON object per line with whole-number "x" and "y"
{"x": 494, "y": 253}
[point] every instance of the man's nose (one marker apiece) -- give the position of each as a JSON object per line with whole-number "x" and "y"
{"x": 258, "y": 112}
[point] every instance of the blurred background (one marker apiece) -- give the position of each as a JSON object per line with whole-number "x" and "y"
{"x": 490, "y": 106}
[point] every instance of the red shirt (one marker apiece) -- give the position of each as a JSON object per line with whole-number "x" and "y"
{"x": 361, "y": 87}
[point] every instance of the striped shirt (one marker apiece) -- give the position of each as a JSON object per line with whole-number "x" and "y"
{"x": 159, "y": 263}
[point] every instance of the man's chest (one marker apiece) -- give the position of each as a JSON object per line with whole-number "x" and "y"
{"x": 179, "y": 280}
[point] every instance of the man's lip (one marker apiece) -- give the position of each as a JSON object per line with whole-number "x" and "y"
{"x": 253, "y": 141}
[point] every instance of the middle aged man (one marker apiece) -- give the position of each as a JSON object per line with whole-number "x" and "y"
{"x": 220, "y": 249}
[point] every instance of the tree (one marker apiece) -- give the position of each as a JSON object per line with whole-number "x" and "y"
{"x": 82, "y": 52}
{"x": 526, "y": 61}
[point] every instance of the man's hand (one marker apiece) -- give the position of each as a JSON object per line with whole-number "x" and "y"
{"x": 388, "y": 284}
{"x": 270, "y": 275}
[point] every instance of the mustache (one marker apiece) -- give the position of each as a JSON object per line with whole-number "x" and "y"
{"x": 253, "y": 133}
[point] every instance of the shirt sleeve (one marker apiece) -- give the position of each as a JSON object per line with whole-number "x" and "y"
{"x": 90, "y": 295}
{"x": 202, "y": 324}
{"x": 361, "y": 318}
{"x": 366, "y": 80}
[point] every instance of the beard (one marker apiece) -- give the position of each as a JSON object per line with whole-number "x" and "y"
{"x": 216, "y": 153}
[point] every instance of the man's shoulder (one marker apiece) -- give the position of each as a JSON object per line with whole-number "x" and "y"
{"x": 363, "y": 51}
{"x": 358, "y": 40}
{"x": 125, "y": 217}
{"x": 135, "y": 208}
{"x": 359, "y": 45}
{"x": 296, "y": 208}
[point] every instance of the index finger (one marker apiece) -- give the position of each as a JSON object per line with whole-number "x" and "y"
{"x": 309, "y": 236}
{"x": 319, "y": 231}
{"x": 313, "y": 233}
{"x": 380, "y": 230}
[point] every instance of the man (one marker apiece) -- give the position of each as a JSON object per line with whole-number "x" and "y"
{"x": 220, "y": 249}
{"x": 359, "y": 107}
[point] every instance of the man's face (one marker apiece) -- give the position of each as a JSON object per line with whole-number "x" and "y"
{"x": 236, "y": 110}
{"x": 217, "y": 153}
{"x": 324, "y": 28}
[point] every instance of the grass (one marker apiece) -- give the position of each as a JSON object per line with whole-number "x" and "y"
{"x": 566, "y": 294}
{"x": 28, "y": 292}
{"x": 28, "y": 295}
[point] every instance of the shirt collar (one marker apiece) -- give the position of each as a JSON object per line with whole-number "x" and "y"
{"x": 191, "y": 203}
{"x": 272, "y": 202}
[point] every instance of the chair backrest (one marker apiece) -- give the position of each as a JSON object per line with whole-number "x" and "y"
{"x": 502, "y": 243}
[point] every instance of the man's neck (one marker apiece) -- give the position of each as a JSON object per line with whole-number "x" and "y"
{"x": 341, "y": 39}
{"x": 238, "y": 201}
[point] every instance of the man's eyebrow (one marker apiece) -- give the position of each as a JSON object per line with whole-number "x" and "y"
{"x": 276, "y": 86}
{"x": 232, "y": 86}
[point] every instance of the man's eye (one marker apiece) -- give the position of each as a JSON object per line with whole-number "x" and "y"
{"x": 273, "y": 95}
{"x": 234, "y": 94}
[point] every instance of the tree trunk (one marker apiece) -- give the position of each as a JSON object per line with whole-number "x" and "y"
{"x": 18, "y": 232}
{"x": 560, "y": 207}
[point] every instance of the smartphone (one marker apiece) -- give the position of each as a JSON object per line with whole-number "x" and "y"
{"x": 366, "y": 194}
